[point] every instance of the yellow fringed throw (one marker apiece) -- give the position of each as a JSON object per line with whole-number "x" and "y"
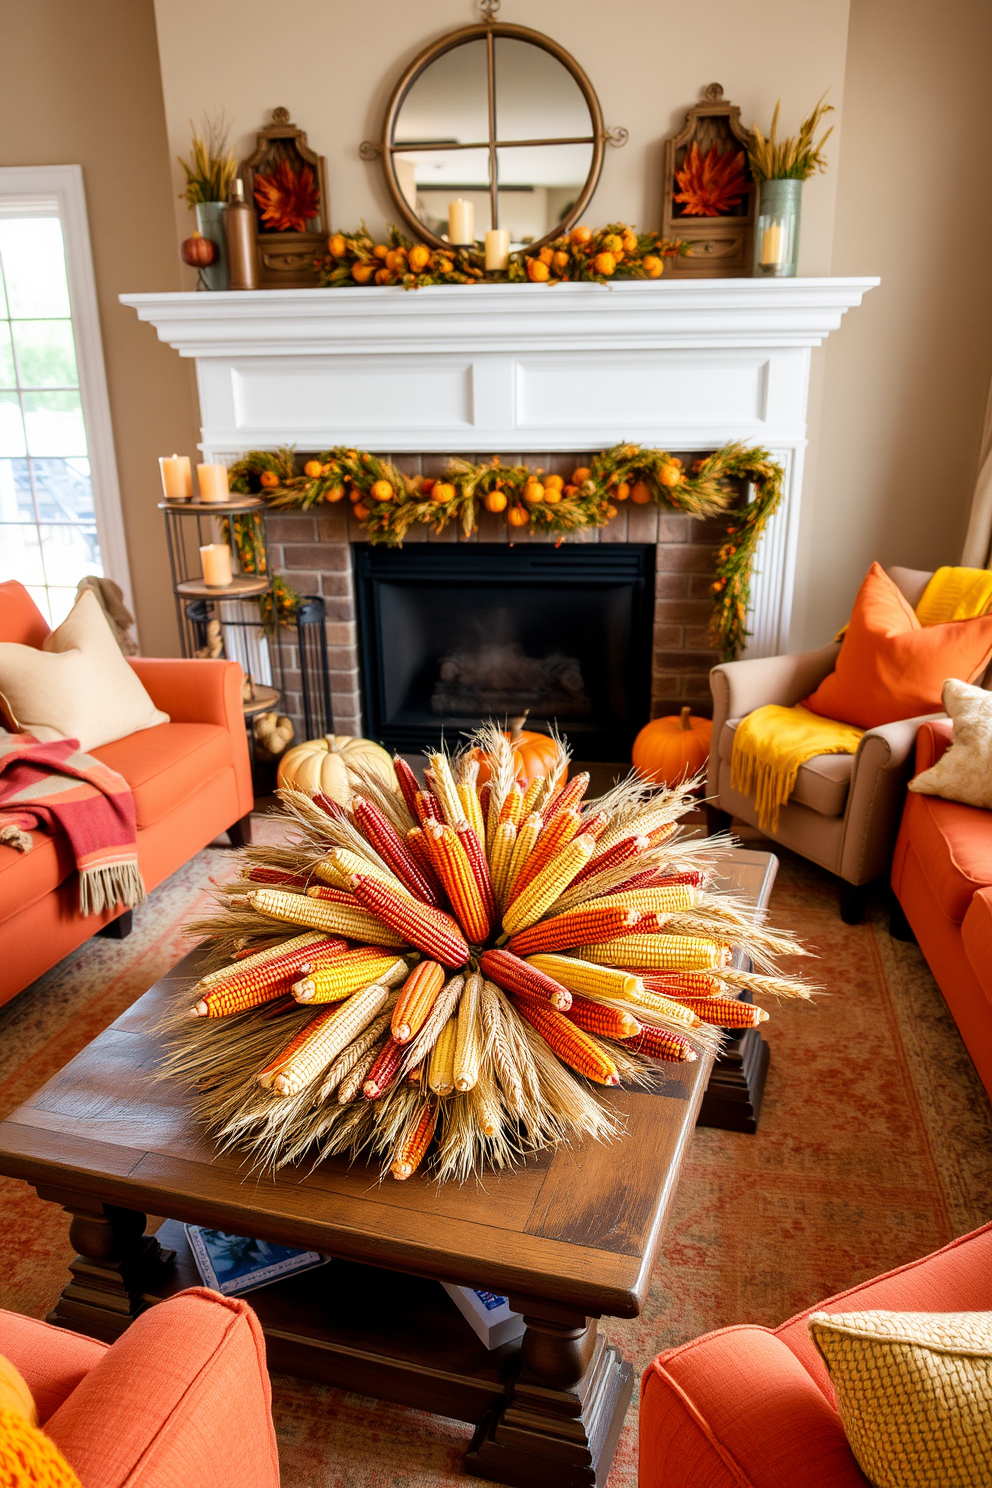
{"x": 771, "y": 744}
{"x": 955, "y": 594}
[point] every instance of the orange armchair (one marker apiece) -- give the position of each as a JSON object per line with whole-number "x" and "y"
{"x": 749, "y": 1407}
{"x": 181, "y": 1400}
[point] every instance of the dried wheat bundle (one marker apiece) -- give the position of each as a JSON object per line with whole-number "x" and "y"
{"x": 445, "y": 973}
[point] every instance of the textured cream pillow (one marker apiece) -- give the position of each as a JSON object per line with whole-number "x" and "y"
{"x": 914, "y": 1390}
{"x": 964, "y": 771}
{"x": 78, "y": 686}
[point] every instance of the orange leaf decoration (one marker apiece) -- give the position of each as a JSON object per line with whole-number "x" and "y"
{"x": 287, "y": 199}
{"x": 711, "y": 184}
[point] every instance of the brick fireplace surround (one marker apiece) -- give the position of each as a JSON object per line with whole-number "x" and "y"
{"x": 313, "y": 553}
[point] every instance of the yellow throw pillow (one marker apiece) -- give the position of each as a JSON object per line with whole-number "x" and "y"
{"x": 78, "y": 686}
{"x": 914, "y": 1390}
{"x": 28, "y": 1459}
{"x": 14, "y": 1392}
{"x": 963, "y": 772}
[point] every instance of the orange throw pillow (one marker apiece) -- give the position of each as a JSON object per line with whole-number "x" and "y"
{"x": 890, "y": 666}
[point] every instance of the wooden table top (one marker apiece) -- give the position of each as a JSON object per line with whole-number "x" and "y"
{"x": 577, "y": 1228}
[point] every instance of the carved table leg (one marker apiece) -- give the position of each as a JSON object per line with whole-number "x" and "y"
{"x": 559, "y": 1425}
{"x": 111, "y": 1268}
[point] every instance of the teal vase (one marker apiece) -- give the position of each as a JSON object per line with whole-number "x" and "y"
{"x": 776, "y": 233}
{"x": 210, "y": 223}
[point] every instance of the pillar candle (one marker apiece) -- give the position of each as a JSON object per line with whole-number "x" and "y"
{"x": 497, "y": 249}
{"x": 215, "y": 560}
{"x": 771, "y": 244}
{"x": 177, "y": 477}
{"x": 212, "y": 480}
{"x": 461, "y": 222}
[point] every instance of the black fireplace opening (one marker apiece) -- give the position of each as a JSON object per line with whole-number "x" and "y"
{"x": 450, "y": 635}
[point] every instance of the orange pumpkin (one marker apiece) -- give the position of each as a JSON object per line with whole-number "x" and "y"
{"x": 534, "y": 754}
{"x": 670, "y": 751}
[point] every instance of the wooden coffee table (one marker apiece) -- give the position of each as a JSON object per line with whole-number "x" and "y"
{"x": 570, "y": 1238}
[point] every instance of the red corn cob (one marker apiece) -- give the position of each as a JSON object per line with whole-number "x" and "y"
{"x": 330, "y": 808}
{"x": 692, "y": 876}
{"x": 722, "y": 1012}
{"x": 572, "y": 1044}
{"x": 485, "y": 791}
{"x": 514, "y": 975}
{"x": 469, "y": 840}
{"x": 251, "y": 986}
{"x": 570, "y": 929}
{"x": 283, "y": 880}
{"x": 411, "y": 1152}
{"x": 569, "y": 796}
{"x": 383, "y": 1073}
{"x": 682, "y": 983}
{"x": 407, "y": 783}
{"x": 554, "y": 836}
{"x": 661, "y": 1044}
{"x": 594, "y": 826}
{"x": 419, "y": 848}
{"x": 429, "y": 929}
{"x": 428, "y": 808}
{"x": 643, "y": 880}
{"x": 627, "y": 847}
{"x": 600, "y": 1018}
{"x": 393, "y": 850}
{"x": 330, "y": 895}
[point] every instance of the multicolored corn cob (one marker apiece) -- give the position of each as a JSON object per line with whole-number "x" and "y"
{"x": 472, "y": 844}
{"x": 724, "y": 1012}
{"x": 393, "y": 850}
{"x": 348, "y": 972}
{"x": 570, "y": 795}
{"x": 325, "y": 1037}
{"x": 385, "y": 1071}
{"x": 613, "y": 857}
{"x": 661, "y": 1044}
{"x": 601, "y": 1019}
{"x": 599, "y": 922}
{"x": 514, "y": 975}
{"x": 527, "y": 835}
{"x": 417, "y": 996}
{"x": 588, "y": 979}
{"x": 529, "y": 904}
{"x": 594, "y": 826}
{"x": 428, "y": 807}
{"x": 573, "y": 1046}
{"x": 430, "y": 930}
{"x": 330, "y": 918}
{"x": 249, "y": 962}
{"x": 658, "y": 952}
{"x": 453, "y": 868}
{"x": 414, "y": 1145}
{"x": 664, "y": 1009}
{"x": 251, "y": 987}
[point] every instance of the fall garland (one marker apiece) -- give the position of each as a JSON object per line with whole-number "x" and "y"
{"x": 585, "y": 255}
{"x": 388, "y": 502}
{"x": 450, "y": 976}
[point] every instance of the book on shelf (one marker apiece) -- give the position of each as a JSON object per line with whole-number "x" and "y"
{"x": 487, "y": 1314}
{"x": 235, "y": 1264}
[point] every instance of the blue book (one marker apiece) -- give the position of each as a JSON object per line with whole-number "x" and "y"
{"x": 235, "y": 1264}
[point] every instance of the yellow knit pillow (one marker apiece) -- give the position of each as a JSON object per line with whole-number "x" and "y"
{"x": 914, "y": 1390}
{"x": 28, "y": 1459}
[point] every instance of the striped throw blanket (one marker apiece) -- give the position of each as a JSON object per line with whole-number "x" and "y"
{"x": 54, "y": 785}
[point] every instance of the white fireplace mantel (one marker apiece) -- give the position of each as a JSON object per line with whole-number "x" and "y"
{"x": 519, "y": 368}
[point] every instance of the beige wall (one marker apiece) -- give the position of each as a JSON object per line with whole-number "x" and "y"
{"x": 80, "y": 85}
{"x": 894, "y": 451}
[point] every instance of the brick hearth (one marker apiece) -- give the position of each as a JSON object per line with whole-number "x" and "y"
{"x": 313, "y": 552}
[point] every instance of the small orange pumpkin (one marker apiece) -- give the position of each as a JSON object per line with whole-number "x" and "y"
{"x": 534, "y": 754}
{"x": 670, "y": 751}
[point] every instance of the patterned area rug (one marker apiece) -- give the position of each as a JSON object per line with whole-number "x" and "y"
{"x": 875, "y": 1147}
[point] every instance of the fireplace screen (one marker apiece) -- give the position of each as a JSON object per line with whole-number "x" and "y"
{"x": 450, "y": 635}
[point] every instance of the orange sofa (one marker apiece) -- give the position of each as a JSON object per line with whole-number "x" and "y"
{"x": 942, "y": 880}
{"x": 191, "y": 780}
{"x": 750, "y": 1407}
{"x": 181, "y": 1400}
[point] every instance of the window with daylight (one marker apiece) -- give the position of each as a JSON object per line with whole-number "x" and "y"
{"x": 59, "y": 510}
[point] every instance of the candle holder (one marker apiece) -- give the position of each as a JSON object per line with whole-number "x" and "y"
{"x": 776, "y": 236}
{"x": 177, "y": 477}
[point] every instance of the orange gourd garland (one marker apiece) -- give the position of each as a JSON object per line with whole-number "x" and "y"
{"x": 671, "y": 750}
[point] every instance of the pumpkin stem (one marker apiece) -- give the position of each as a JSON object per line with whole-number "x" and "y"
{"x": 684, "y": 718}
{"x": 517, "y": 726}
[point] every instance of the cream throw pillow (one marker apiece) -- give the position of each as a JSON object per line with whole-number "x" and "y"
{"x": 78, "y": 686}
{"x": 964, "y": 771}
{"x": 914, "y": 1390}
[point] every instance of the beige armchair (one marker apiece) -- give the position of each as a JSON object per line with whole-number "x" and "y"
{"x": 845, "y": 809}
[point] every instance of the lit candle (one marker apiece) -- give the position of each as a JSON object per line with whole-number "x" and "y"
{"x": 461, "y": 222}
{"x": 212, "y": 480}
{"x": 771, "y": 245}
{"x": 177, "y": 477}
{"x": 497, "y": 249}
{"x": 215, "y": 560}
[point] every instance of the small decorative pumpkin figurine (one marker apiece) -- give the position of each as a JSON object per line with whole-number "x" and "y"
{"x": 670, "y": 751}
{"x": 534, "y": 754}
{"x": 322, "y": 765}
{"x": 199, "y": 252}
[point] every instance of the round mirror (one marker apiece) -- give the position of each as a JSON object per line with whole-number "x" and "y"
{"x": 503, "y": 119}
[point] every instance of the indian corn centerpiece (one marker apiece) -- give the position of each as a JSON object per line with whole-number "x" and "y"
{"x": 446, "y": 974}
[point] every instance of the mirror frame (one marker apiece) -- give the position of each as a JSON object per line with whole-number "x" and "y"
{"x": 488, "y": 31}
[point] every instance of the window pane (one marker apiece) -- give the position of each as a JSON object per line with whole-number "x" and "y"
{"x": 11, "y": 426}
{"x": 54, "y": 423}
{"x": 7, "y": 378}
{"x": 46, "y": 355}
{"x": 3, "y": 294}
{"x": 20, "y": 554}
{"x": 60, "y": 602}
{"x": 70, "y": 553}
{"x": 16, "y": 504}
{"x": 34, "y": 266}
{"x": 63, "y": 490}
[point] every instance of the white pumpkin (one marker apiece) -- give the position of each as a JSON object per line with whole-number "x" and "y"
{"x": 322, "y": 765}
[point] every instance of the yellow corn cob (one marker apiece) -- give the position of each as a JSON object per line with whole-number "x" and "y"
{"x": 339, "y": 866}
{"x": 657, "y": 952}
{"x": 445, "y": 789}
{"x": 532, "y": 797}
{"x": 471, "y": 810}
{"x": 415, "y": 1001}
{"x": 356, "y": 923}
{"x": 244, "y": 990}
{"x": 335, "y": 1032}
{"x": 355, "y": 969}
{"x": 413, "y": 1147}
{"x": 668, "y": 899}
{"x": 511, "y": 808}
{"x": 527, "y": 836}
{"x": 349, "y": 1057}
{"x": 588, "y": 979}
{"x": 258, "y": 958}
{"x": 663, "y": 1007}
{"x": 338, "y": 919}
{"x": 572, "y": 1045}
{"x": 531, "y": 903}
{"x": 441, "y": 1071}
{"x": 562, "y": 827}
{"x": 500, "y": 857}
{"x": 468, "y": 1047}
{"x": 453, "y": 868}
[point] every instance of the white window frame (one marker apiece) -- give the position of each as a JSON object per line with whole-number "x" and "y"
{"x": 58, "y": 191}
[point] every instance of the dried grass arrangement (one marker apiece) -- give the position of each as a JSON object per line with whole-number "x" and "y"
{"x": 448, "y": 975}
{"x": 211, "y": 167}
{"x": 793, "y": 159}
